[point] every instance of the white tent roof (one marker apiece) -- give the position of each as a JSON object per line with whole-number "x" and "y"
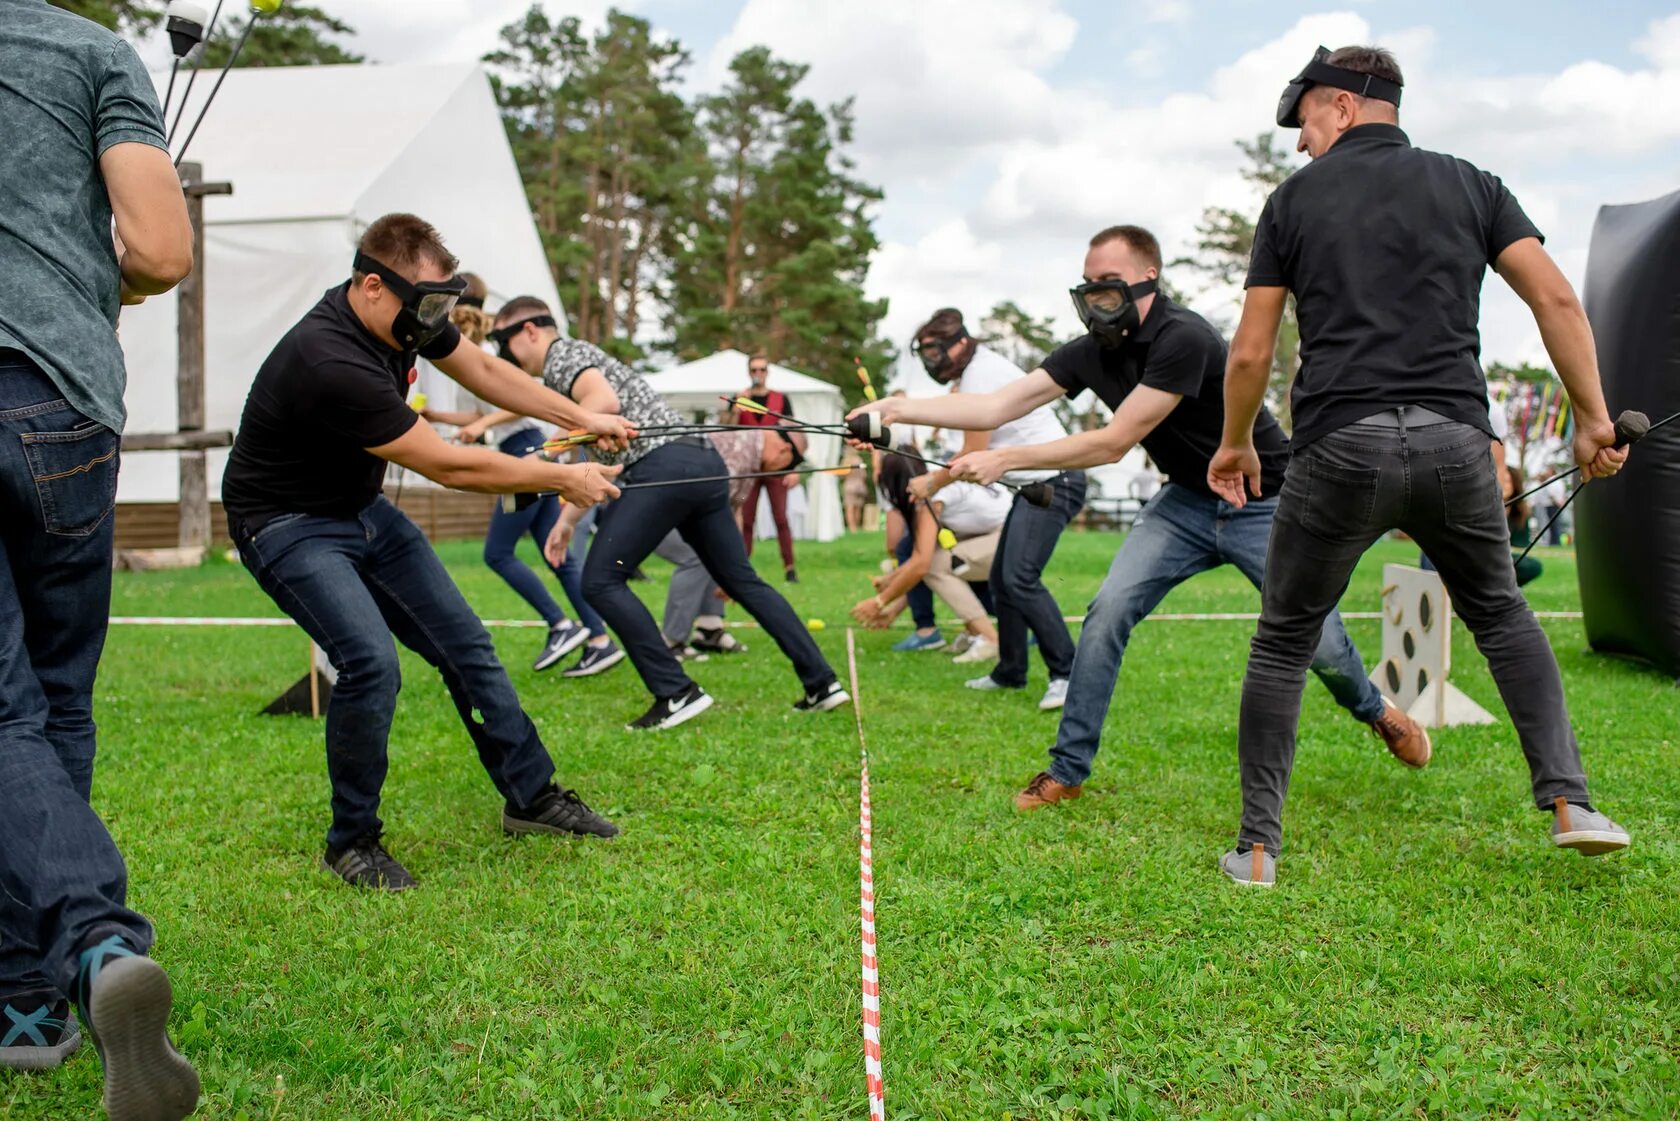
{"x": 315, "y": 154}
{"x": 726, "y": 372}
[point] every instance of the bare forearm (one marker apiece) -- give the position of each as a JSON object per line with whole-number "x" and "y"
{"x": 509, "y": 388}
{"x": 458, "y": 417}
{"x": 1083, "y": 449}
{"x": 1569, "y": 342}
{"x": 1245, "y": 390}
{"x": 491, "y": 472}
{"x": 966, "y": 411}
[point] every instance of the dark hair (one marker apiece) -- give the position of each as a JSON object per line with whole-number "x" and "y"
{"x": 1375, "y": 61}
{"x": 893, "y": 479}
{"x": 1139, "y": 240}
{"x": 404, "y": 243}
{"x": 944, "y": 323}
{"x": 521, "y": 307}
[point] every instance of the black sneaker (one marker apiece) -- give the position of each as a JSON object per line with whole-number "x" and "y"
{"x": 716, "y": 640}
{"x": 365, "y": 863}
{"x": 823, "y": 699}
{"x": 563, "y": 638}
{"x": 793, "y": 576}
{"x": 37, "y": 1031}
{"x": 556, "y": 811}
{"x": 596, "y": 659}
{"x": 671, "y": 711}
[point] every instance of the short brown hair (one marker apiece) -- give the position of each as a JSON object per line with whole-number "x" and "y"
{"x": 1375, "y": 61}
{"x": 1139, "y": 240}
{"x": 404, "y": 243}
{"x": 944, "y": 323}
{"x": 521, "y": 307}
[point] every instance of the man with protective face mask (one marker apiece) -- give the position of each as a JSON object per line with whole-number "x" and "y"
{"x": 326, "y": 413}
{"x": 955, "y": 358}
{"x": 1160, "y": 367}
{"x": 1384, "y": 247}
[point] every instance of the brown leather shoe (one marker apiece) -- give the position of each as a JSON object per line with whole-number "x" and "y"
{"x": 1045, "y": 791}
{"x": 1405, "y": 738}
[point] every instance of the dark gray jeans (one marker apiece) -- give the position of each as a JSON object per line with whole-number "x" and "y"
{"x": 1342, "y": 493}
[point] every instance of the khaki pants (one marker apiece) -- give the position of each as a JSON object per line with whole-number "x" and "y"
{"x": 954, "y": 589}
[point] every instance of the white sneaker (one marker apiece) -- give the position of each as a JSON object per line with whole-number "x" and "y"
{"x": 980, "y": 650}
{"x": 984, "y": 684}
{"x": 1055, "y": 696}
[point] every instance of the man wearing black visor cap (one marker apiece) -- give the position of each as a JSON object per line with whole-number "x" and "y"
{"x": 326, "y": 413}
{"x": 1384, "y": 247}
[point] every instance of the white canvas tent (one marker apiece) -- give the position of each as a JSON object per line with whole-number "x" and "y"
{"x": 695, "y": 388}
{"x": 314, "y": 155}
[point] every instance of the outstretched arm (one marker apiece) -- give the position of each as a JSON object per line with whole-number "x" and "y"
{"x": 973, "y": 412}
{"x": 1143, "y": 408}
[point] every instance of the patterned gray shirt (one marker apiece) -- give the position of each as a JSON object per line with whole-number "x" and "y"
{"x": 637, "y": 401}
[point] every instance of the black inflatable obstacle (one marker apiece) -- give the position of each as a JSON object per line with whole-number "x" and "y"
{"x": 1627, "y": 529}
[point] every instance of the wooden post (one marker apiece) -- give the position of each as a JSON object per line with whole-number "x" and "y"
{"x": 194, "y": 502}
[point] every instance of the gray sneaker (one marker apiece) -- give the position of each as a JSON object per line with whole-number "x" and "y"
{"x": 1254, "y": 868}
{"x": 1587, "y": 831}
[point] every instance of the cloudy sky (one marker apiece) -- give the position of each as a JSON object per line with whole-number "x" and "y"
{"x": 1005, "y": 132}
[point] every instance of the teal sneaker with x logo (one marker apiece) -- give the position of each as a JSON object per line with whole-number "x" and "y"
{"x": 37, "y": 1031}
{"x": 126, "y": 999}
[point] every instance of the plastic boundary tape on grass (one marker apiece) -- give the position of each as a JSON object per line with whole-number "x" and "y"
{"x": 280, "y": 621}
{"x": 866, "y": 909}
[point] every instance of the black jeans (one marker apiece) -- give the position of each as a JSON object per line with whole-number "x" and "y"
{"x": 1342, "y": 493}
{"x": 1023, "y": 602}
{"x": 352, "y": 583}
{"x": 700, "y": 514}
{"x": 62, "y": 880}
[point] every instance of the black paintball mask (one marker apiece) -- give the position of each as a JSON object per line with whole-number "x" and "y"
{"x": 501, "y": 335}
{"x": 1319, "y": 72}
{"x": 425, "y": 304}
{"x": 935, "y": 353}
{"x": 1108, "y": 308}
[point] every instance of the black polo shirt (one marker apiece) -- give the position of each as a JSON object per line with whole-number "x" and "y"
{"x": 329, "y": 390}
{"x": 1385, "y": 246}
{"x": 1176, "y": 351}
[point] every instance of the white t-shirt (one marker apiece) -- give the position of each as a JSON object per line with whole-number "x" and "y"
{"x": 987, "y": 372}
{"x": 971, "y": 510}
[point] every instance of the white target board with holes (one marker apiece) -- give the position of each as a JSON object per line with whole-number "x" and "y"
{"x": 1417, "y": 650}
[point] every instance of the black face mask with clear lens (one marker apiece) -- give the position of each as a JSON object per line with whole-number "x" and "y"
{"x": 425, "y": 304}
{"x": 502, "y": 335}
{"x": 935, "y": 354}
{"x": 1108, "y": 308}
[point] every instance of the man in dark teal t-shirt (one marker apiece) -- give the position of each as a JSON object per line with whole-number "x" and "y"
{"x": 91, "y": 216}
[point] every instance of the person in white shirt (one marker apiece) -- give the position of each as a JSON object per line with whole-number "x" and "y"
{"x": 955, "y": 358}
{"x": 955, "y": 537}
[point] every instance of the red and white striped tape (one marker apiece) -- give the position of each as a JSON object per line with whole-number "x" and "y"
{"x": 866, "y": 902}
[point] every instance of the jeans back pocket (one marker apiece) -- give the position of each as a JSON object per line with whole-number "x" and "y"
{"x": 1338, "y": 502}
{"x": 1470, "y": 495}
{"x": 75, "y": 476}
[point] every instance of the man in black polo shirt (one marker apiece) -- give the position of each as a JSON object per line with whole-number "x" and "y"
{"x": 1159, "y": 366}
{"x": 1384, "y": 247}
{"x": 326, "y": 412}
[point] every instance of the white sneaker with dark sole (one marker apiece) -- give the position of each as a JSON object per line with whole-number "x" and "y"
{"x": 671, "y": 711}
{"x": 1587, "y": 831}
{"x": 1055, "y": 696}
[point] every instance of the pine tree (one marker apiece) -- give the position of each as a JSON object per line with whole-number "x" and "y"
{"x": 296, "y": 35}
{"x": 774, "y": 250}
{"x": 129, "y": 17}
{"x": 1224, "y": 242}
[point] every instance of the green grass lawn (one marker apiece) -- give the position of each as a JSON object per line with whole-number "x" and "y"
{"x": 1426, "y": 954}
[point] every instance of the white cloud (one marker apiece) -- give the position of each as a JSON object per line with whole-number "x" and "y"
{"x": 1662, "y": 43}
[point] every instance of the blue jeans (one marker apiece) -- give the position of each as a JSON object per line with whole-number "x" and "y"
{"x": 1023, "y": 602}
{"x": 537, "y": 519}
{"x": 352, "y": 583}
{"x": 1342, "y": 493}
{"x": 62, "y": 881}
{"x": 1178, "y": 534}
